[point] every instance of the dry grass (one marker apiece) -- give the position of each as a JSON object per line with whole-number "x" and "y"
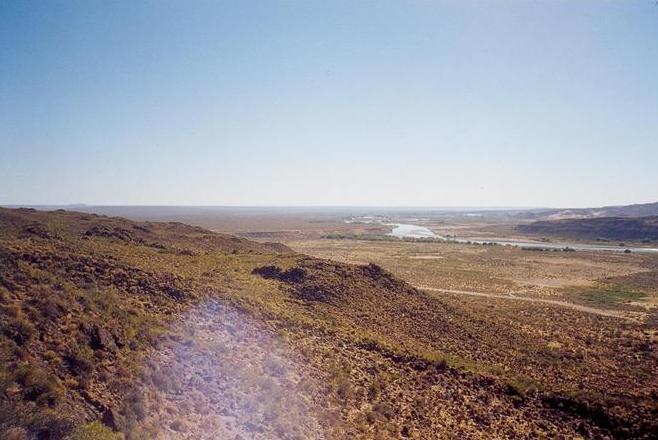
{"x": 116, "y": 320}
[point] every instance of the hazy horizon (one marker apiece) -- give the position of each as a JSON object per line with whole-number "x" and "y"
{"x": 351, "y": 208}
{"x": 304, "y": 219}
{"x": 392, "y": 104}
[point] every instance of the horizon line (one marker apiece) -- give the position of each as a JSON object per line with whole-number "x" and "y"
{"x": 247, "y": 206}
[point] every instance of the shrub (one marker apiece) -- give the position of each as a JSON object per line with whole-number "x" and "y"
{"x": 93, "y": 431}
{"x": 50, "y": 304}
{"x": 384, "y": 410}
{"x": 134, "y": 408}
{"x": 437, "y": 360}
{"x": 520, "y": 386}
{"x": 38, "y": 385}
{"x": 163, "y": 381}
{"x": 5, "y": 379}
{"x": 80, "y": 360}
{"x": 293, "y": 275}
{"x": 20, "y": 330}
{"x": 15, "y": 433}
{"x": 4, "y": 295}
{"x": 178, "y": 425}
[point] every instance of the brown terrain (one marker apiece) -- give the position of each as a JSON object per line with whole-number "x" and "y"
{"x": 603, "y": 228}
{"x": 113, "y": 328}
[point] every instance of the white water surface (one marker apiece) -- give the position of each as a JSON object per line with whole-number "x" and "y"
{"x": 406, "y": 230}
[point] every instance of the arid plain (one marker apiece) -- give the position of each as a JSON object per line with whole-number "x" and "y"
{"x": 313, "y": 325}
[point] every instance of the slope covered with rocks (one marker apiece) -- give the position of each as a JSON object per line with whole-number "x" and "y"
{"x": 114, "y": 328}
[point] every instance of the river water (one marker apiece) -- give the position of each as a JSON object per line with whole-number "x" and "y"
{"x": 403, "y": 230}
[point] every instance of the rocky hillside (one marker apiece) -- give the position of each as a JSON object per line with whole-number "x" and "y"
{"x": 111, "y": 329}
{"x": 606, "y": 228}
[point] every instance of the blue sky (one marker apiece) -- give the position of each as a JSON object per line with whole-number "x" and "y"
{"x": 427, "y": 103}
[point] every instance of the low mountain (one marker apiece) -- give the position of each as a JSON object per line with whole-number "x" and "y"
{"x": 635, "y": 210}
{"x": 605, "y": 228}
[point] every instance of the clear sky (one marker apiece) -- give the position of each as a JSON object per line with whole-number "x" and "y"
{"x": 434, "y": 103}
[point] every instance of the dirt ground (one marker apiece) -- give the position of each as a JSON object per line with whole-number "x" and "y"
{"x": 479, "y": 268}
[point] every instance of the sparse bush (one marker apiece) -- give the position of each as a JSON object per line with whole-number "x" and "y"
{"x": 49, "y": 304}
{"x": 371, "y": 417}
{"x": 164, "y": 381}
{"x": 178, "y": 425}
{"x": 375, "y": 388}
{"x": 384, "y": 410}
{"x": 80, "y": 360}
{"x": 38, "y": 385}
{"x": 93, "y": 431}
{"x": 134, "y": 408}
{"x": 436, "y": 359}
{"x": 343, "y": 387}
{"x": 4, "y": 295}
{"x": 19, "y": 329}
{"x": 275, "y": 366}
{"x": 5, "y": 379}
{"x": 52, "y": 357}
{"x": 520, "y": 386}
{"x": 15, "y": 433}
{"x": 293, "y": 275}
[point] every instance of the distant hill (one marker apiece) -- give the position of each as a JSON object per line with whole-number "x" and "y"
{"x": 609, "y": 228}
{"x": 636, "y": 210}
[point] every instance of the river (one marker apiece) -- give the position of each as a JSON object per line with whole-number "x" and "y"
{"x": 404, "y": 230}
